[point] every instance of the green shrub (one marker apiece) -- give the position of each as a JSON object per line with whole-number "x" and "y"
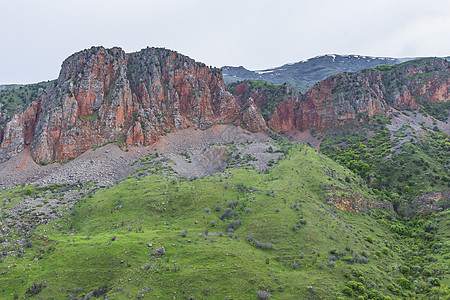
{"x": 405, "y": 270}
{"x": 426, "y": 273}
{"x": 434, "y": 281}
{"x": 347, "y": 291}
{"x": 404, "y": 283}
{"x": 352, "y": 284}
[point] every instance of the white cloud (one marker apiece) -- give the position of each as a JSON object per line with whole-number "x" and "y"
{"x": 38, "y": 35}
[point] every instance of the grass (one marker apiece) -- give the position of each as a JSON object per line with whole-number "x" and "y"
{"x": 108, "y": 241}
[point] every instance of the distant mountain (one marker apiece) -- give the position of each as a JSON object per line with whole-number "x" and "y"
{"x": 4, "y": 87}
{"x": 304, "y": 74}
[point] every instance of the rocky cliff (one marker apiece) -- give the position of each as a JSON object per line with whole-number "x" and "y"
{"x": 352, "y": 97}
{"x": 104, "y": 95}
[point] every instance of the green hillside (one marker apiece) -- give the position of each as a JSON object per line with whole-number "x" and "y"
{"x": 240, "y": 234}
{"x": 15, "y": 98}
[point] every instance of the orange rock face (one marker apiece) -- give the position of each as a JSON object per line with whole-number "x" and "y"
{"x": 104, "y": 95}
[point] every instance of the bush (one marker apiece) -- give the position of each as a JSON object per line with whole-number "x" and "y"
{"x": 234, "y": 224}
{"x": 232, "y": 203}
{"x": 227, "y": 214}
{"x": 374, "y": 294}
{"x": 352, "y": 284}
{"x": 249, "y": 238}
{"x": 347, "y": 291}
{"x": 99, "y": 291}
{"x": 426, "y": 273}
{"x": 263, "y": 246}
{"x": 35, "y": 288}
{"x": 404, "y": 283}
{"x": 369, "y": 239}
{"x": 405, "y": 270}
{"x": 218, "y": 208}
{"x": 434, "y": 281}
{"x": 263, "y": 295}
{"x": 363, "y": 260}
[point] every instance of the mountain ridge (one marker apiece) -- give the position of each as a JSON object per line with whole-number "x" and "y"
{"x": 305, "y": 73}
{"x": 104, "y": 95}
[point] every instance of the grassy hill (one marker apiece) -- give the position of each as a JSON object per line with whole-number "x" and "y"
{"x": 240, "y": 234}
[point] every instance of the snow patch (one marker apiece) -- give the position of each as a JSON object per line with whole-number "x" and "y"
{"x": 264, "y": 72}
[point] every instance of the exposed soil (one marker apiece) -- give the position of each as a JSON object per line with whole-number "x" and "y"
{"x": 303, "y": 137}
{"x": 416, "y": 120}
{"x": 197, "y": 153}
{"x": 22, "y": 169}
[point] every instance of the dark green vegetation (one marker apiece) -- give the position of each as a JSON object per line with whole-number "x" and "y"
{"x": 236, "y": 234}
{"x": 398, "y": 166}
{"x": 15, "y": 98}
{"x": 305, "y": 74}
{"x": 438, "y": 110}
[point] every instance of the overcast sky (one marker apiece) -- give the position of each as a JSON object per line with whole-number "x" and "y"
{"x": 36, "y": 36}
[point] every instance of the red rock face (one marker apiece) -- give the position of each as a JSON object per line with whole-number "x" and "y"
{"x": 19, "y": 132}
{"x": 285, "y": 117}
{"x": 105, "y": 94}
{"x": 252, "y": 120}
{"x": 346, "y": 98}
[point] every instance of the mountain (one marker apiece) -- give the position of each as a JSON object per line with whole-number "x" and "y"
{"x": 141, "y": 175}
{"x": 304, "y": 74}
{"x": 349, "y": 97}
{"x": 105, "y": 95}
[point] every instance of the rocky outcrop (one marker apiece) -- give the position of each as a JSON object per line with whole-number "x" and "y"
{"x": 105, "y": 95}
{"x": 252, "y": 120}
{"x": 426, "y": 204}
{"x": 19, "y": 132}
{"x": 351, "y": 201}
{"x": 352, "y": 97}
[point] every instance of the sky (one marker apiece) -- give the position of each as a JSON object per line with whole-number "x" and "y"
{"x": 36, "y": 36}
